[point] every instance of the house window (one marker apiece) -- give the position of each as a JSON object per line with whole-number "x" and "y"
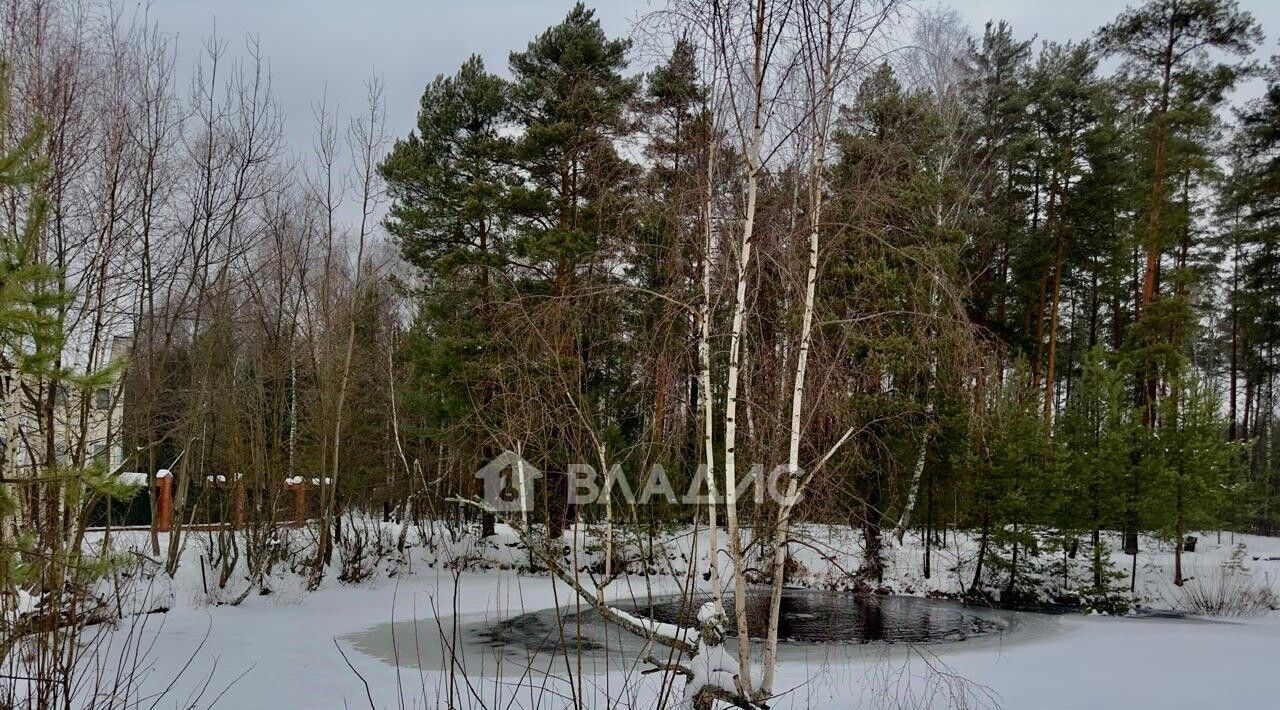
{"x": 102, "y": 398}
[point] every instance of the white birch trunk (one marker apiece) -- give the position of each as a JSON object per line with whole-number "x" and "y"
{"x": 522, "y": 483}
{"x": 704, "y": 374}
{"x": 917, "y": 474}
{"x": 608, "y": 518}
{"x": 753, "y": 150}
{"x": 829, "y": 51}
{"x": 730, "y": 419}
{"x": 821, "y": 120}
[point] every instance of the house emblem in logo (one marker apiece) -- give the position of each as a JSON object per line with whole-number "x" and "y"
{"x": 508, "y": 483}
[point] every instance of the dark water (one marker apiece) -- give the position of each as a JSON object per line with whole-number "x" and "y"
{"x": 807, "y": 617}
{"x": 540, "y": 632}
{"x": 817, "y": 616}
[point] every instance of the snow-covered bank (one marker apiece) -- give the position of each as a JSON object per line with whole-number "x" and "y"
{"x": 286, "y": 649}
{"x": 289, "y": 656}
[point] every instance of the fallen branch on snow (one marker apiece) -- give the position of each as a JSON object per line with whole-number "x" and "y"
{"x": 711, "y": 675}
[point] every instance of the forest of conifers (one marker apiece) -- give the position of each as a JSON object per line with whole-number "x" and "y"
{"x": 1047, "y": 295}
{"x": 1024, "y": 289}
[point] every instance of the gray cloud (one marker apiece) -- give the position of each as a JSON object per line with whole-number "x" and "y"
{"x": 329, "y": 47}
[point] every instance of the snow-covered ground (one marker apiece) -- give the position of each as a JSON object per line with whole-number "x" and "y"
{"x": 297, "y": 649}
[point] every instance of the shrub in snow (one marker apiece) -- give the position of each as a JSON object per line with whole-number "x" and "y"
{"x": 1229, "y": 590}
{"x": 363, "y": 547}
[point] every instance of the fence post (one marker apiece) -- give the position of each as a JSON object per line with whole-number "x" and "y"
{"x": 299, "y": 504}
{"x": 164, "y": 501}
{"x": 237, "y": 515}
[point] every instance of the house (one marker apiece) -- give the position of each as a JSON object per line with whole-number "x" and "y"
{"x": 85, "y": 428}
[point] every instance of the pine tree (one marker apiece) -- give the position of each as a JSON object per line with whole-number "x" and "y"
{"x": 1170, "y": 40}
{"x": 1092, "y": 440}
{"x": 664, "y": 259}
{"x": 893, "y": 295}
{"x": 42, "y": 527}
{"x": 1254, "y": 194}
{"x": 571, "y": 212}
{"x": 448, "y": 181}
{"x": 29, "y": 329}
{"x": 996, "y": 78}
{"x": 1191, "y": 461}
{"x": 1014, "y": 461}
{"x": 1064, "y": 112}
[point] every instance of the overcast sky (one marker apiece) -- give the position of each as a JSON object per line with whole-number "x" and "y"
{"x": 330, "y": 46}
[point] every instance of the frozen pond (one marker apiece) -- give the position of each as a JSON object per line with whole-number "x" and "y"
{"x": 814, "y": 624}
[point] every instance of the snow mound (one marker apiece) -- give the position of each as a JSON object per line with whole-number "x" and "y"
{"x": 136, "y": 479}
